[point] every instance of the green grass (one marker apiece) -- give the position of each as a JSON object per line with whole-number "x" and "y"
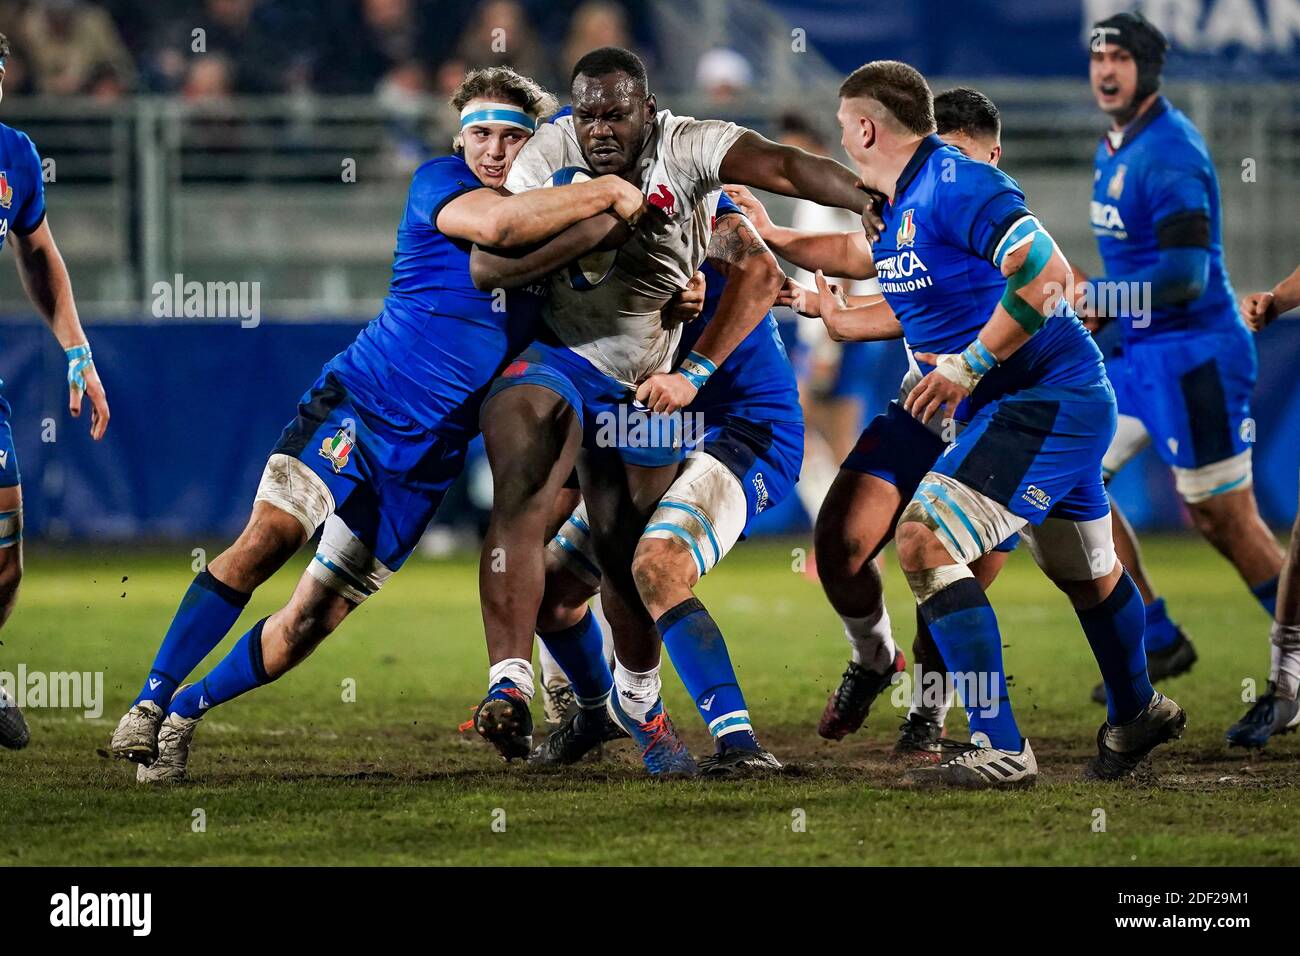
{"x": 292, "y": 774}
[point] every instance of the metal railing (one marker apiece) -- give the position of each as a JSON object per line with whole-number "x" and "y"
{"x": 303, "y": 194}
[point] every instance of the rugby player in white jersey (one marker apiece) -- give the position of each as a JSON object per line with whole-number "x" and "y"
{"x": 610, "y": 362}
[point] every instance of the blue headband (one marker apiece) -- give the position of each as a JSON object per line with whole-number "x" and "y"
{"x": 505, "y": 114}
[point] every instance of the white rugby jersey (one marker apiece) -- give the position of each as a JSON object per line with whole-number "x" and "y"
{"x": 616, "y": 326}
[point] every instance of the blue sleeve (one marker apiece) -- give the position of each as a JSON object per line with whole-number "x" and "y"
{"x": 32, "y": 212}
{"x": 437, "y": 183}
{"x": 1179, "y": 276}
{"x": 1177, "y": 198}
{"x": 988, "y": 202}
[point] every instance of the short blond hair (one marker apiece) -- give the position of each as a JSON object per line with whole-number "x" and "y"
{"x": 504, "y": 84}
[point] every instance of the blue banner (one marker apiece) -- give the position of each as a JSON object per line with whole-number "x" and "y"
{"x": 1249, "y": 40}
{"x": 197, "y": 407}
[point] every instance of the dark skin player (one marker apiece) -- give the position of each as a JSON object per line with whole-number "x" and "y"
{"x": 533, "y": 439}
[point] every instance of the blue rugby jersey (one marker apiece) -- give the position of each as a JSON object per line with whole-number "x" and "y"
{"x": 22, "y": 189}
{"x": 935, "y": 264}
{"x": 756, "y": 381}
{"x": 439, "y": 342}
{"x": 1143, "y": 194}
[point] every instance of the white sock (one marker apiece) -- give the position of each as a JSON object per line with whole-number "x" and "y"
{"x": 1284, "y": 670}
{"x": 873, "y": 646}
{"x": 637, "y": 691}
{"x": 932, "y": 695}
{"x": 516, "y": 669}
{"x": 606, "y": 632}
{"x": 552, "y": 674}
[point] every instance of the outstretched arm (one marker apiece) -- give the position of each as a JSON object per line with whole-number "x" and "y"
{"x": 848, "y": 318}
{"x": 498, "y": 269}
{"x": 502, "y": 219}
{"x": 45, "y": 279}
{"x": 754, "y": 278}
{"x": 755, "y": 160}
{"x": 843, "y": 254}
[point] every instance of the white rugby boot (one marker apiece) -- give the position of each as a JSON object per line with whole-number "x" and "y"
{"x": 136, "y": 735}
{"x": 977, "y": 766}
{"x": 174, "y": 739}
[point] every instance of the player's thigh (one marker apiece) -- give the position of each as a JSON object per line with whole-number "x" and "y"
{"x": 531, "y": 435}
{"x": 855, "y": 521}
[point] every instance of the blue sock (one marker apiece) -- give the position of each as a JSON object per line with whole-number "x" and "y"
{"x": 580, "y": 652}
{"x": 237, "y": 673}
{"x": 699, "y": 654}
{"x": 1114, "y": 628}
{"x": 208, "y": 610}
{"x": 963, "y": 625}
{"x": 1266, "y": 595}
{"x": 1161, "y": 631}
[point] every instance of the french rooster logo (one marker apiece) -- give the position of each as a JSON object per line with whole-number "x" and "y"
{"x": 663, "y": 200}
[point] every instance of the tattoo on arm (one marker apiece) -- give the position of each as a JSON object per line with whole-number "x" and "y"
{"x": 733, "y": 241}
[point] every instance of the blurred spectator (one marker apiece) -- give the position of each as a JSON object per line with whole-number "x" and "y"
{"x": 72, "y": 47}
{"x": 256, "y": 59}
{"x": 367, "y": 42}
{"x": 210, "y": 77}
{"x": 448, "y": 77}
{"x": 595, "y": 24}
{"x": 723, "y": 73}
{"x": 502, "y": 35}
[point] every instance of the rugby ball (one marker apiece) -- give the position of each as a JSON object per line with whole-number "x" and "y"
{"x": 589, "y": 271}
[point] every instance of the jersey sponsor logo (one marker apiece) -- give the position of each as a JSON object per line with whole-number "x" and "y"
{"x": 337, "y": 449}
{"x": 906, "y": 234}
{"x": 1106, "y": 217}
{"x": 6, "y": 191}
{"x": 904, "y": 272}
{"x": 760, "y": 489}
{"x": 663, "y": 200}
{"x": 1037, "y": 497}
{"x": 1115, "y": 187}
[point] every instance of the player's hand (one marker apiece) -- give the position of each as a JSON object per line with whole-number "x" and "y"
{"x": 872, "y": 224}
{"x": 686, "y": 304}
{"x": 754, "y": 210}
{"x": 98, "y": 402}
{"x": 830, "y": 302}
{"x": 936, "y": 391}
{"x": 797, "y": 296}
{"x": 666, "y": 392}
{"x": 1258, "y": 310}
{"x": 628, "y": 202}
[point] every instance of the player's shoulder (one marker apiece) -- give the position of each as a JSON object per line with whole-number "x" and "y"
{"x": 958, "y": 177}
{"x": 15, "y": 144}
{"x": 444, "y": 171}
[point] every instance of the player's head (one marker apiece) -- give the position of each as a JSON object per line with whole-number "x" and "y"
{"x": 968, "y": 120}
{"x": 1126, "y": 55}
{"x": 4, "y": 56}
{"x": 499, "y": 109}
{"x": 884, "y": 105}
{"x": 613, "y": 108}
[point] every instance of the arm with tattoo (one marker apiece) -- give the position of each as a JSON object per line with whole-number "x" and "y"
{"x": 753, "y": 280}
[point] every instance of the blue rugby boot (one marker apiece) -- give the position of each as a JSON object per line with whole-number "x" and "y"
{"x": 1270, "y": 716}
{"x": 662, "y": 750}
{"x": 505, "y": 721}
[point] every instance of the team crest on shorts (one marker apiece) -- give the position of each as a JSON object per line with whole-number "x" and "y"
{"x": 337, "y": 449}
